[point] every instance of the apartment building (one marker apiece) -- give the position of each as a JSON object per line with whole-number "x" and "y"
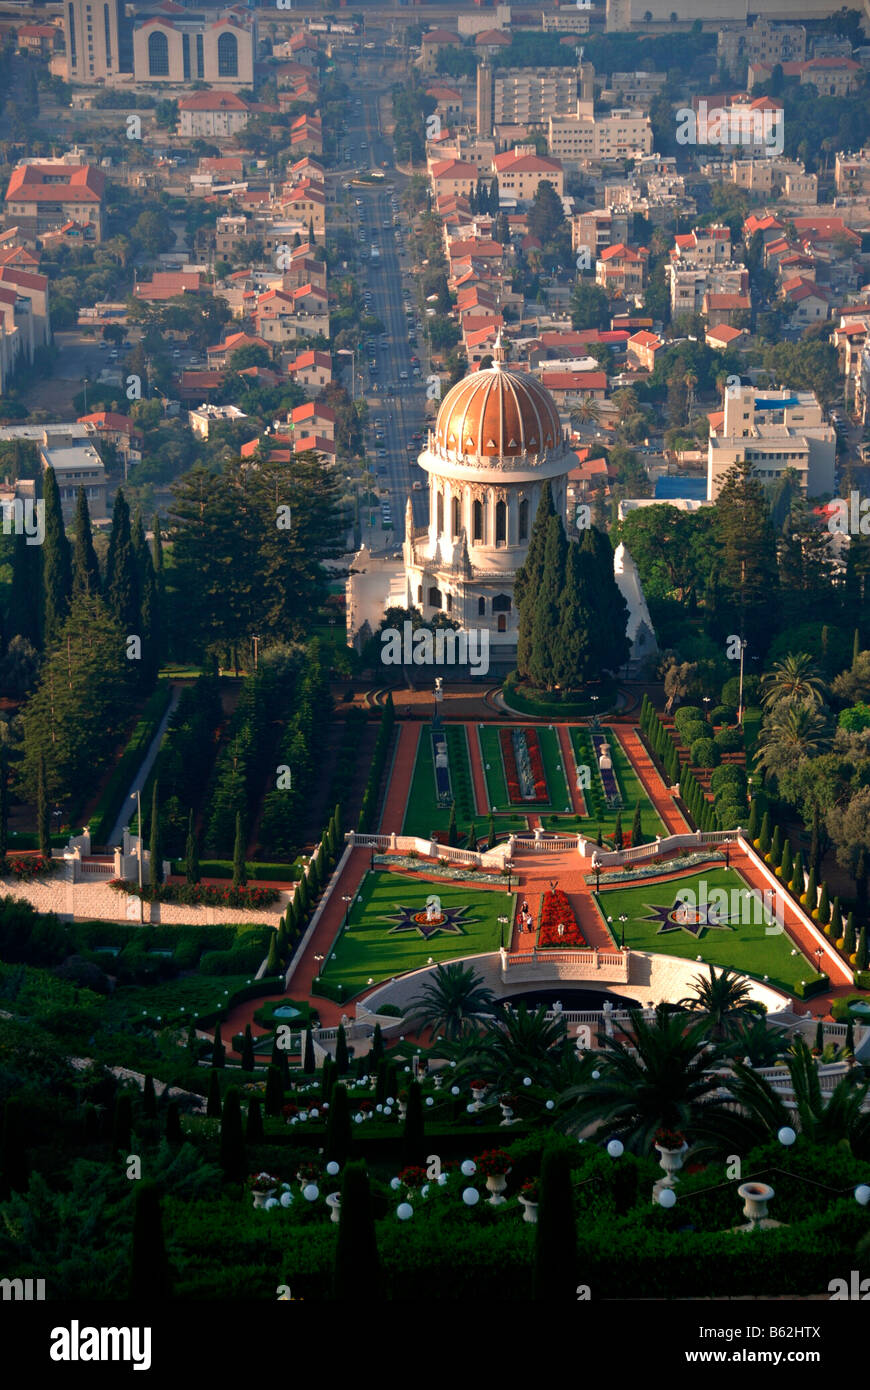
{"x": 703, "y": 247}
{"x": 621, "y": 271}
{"x": 521, "y": 171}
{"x": 99, "y": 41}
{"x": 530, "y": 96}
{"x": 623, "y": 133}
{"x": 688, "y": 287}
{"x": 762, "y": 42}
{"x": 44, "y": 197}
{"x": 852, "y": 173}
{"x": 212, "y": 115}
{"x": 76, "y": 464}
{"x": 599, "y": 228}
{"x": 775, "y": 430}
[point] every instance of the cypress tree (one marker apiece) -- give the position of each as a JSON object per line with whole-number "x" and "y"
{"x": 471, "y": 842}
{"x": 121, "y": 581}
{"x": 4, "y": 804}
{"x": 599, "y": 838}
{"x": 308, "y": 1064}
{"x": 786, "y": 865}
{"x": 191, "y": 857}
{"x": 836, "y": 921}
{"x": 218, "y": 1051}
{"x": 856, "y": 647}
{"x": 327, "y": 1077}
{"x": 849, "y": 936}
{"x": 527, "y": 581}
{"x": 122, "y": 1123}
{"x": 232, "y": 1149}
{"x": 149, "y": 1099}
{"x": 213, "y": 1105}
{"x": 85, "y": 567}
{"x": 775, "y": 853}
{"x": 413, "y": 1133}
{"x": 636, "y": 829}
{"x": 248, "y": 1050}
{"x": 797, "y": 878}
{"x": 342, "y": 1059}
{"x": 617, "y": 831}
{"x": 849, "y": 1043}
{"x": 820, "y": 1037}
{"x": 490, "y": 832}
{"x": 240, "y": 874}
{"x": 338, "y": 1134}
{"x": 56, "y": 561}
{"x": 861, "y": 950}
{"x": 148, "y": 605}
{"x": 43, "y": 827}
{"x": 752, "y": 831}
{"x": 274, "y": 1091}
{"x": 812, "y": 893}
{"x": 273, "y": 959}
{"x": 159, "y": 589}
{"x": 823, "y": 911}
{"x": 377, "y": 1048}
{"x": 763, "y": 845}
{"x": 555, "y": 1270}
{"x": 149, "y": 1267}
{"x": 451, "y": 825}
{"x": 254, "y": 1126}
{"x": 24, "y": 610}
{"x": 357, "y": 1269}
{"x": 815, "y": 844}
{"x": 14, "y": 1174}
{"x": 174, "y": 1132}
{"x": 156, "y": 846}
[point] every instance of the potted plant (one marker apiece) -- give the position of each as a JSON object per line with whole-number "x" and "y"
{"x": 508, "y": 1105}
{"x": 528, "y": 1198}
{"x": 672, "y": 1149}
{"x": 263, "y": 1186}
{"x": 333, "y": 1201}
{"x": 478, "y": 1091}
{"x": 290, "y": 1112}
{"x": 494, "y": 1165}
{"x": 412, "y": 1178}
{"x": 306, "y": 1173}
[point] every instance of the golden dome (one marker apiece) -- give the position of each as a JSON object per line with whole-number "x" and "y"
{"x": 498, "y": 413}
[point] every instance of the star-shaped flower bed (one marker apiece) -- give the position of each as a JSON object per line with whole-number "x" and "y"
{"x": 688, "y": 917}
{"x": 446, "y": 920}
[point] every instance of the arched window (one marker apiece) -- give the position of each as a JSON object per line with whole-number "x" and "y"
{"x": 457, "y": 517}
{"x": 481, "y": 608}
{"x": 524, "y": 519}
{"x": 477, "y": 521}
{"x": 228, "y": 56}
{"x": 419, "y": 593}
{"x": 434, "y": 597}
{"x": 500, "y": 523}
{"x": 158, "y": 55}
{"x": 440, "y": 514}
{"x": 501, "y": 604}
{"x": 502, "y": 623}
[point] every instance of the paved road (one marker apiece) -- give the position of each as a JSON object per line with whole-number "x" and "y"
{"x": 129, "y": 804}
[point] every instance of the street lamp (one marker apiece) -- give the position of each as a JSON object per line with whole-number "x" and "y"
{"x": 510, "y": 868}
{"x": 347, "y": 899}
{"x": 740, "y": 695}
{"x": 622, "y": 921}
{"x": 351, "y": 353}
{"x": 819, "y": 953}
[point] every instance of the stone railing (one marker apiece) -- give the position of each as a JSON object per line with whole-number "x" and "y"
{"x": 592, "y": 964}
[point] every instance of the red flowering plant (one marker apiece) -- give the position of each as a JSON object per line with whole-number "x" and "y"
{"x": 537, "y": 762}
{"x": 366, "y": 1105}
{"x": 670, "y": 1138}
{"x": 413, "y": 1176}
{"x": 531, "y": 1189}
{"x": 308, "y": 1172}
{"x": 478, "y": 1084}
{"x": 510, "y": 766}
{"x": 32, "y": 866}
{"x": 289, "y": 1111}
{"x": 556, "y": 912}
{"x": 493, "y": 1163}
{"x": 262, "y": 1182}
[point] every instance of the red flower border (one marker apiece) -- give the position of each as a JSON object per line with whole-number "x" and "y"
{"x": 556, "y": 909}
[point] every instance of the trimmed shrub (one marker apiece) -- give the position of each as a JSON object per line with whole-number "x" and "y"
{"x": 704, "y": 752}
{"x": 723, "y": 714}
{"x": 685, "y": 714}
{"x": 728, "y": 775}
{"x": 695, "y": 729}
{"x": 729, "y": 740}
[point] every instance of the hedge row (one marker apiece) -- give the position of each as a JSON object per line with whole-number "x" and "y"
{"x": 369, "y": 807}
{"x": 286, "y": 808}
{"x": 108, "y": 808}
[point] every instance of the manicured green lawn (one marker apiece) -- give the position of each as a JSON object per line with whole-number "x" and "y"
{"x": 744, "y": 946}
{"x": 423, "y": 814}
{"x": 551, "y": 755}
{"x": 629, "y": 785}
{"x": 369, "y": 949}
{"x": 751, "y": 729}
{"x": 490, "y": 752}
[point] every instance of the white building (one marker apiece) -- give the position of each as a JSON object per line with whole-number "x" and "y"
{"x": 774, "y": 429}
{"x": 202, "y": 419}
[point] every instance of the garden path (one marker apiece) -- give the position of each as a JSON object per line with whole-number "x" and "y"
{"x": 478, "y": 776}
{"x": 401, "y": 776}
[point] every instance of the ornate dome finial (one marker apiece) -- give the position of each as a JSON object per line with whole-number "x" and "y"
{"x": 497, "y": 351}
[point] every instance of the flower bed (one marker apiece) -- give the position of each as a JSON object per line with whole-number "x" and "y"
{"x": 657, "y": 868}
{"x": 34, "y": 866}
{"x": 523, "y": 765}
{"x": 556, "y": 911}
{"x": 454, "y": 872}
{"x": 199, "y": 893}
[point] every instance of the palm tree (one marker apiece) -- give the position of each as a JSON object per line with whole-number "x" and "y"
{"x": 626, "y": 402}
{"x": 659, "y": 1078}
{"x": 454, "y": 1001}
{"x": 795, "y": 732}
{"x": 723, "y": 1000}
{"x": 522, "y": 1042}
{"x": 796, "y": 679}
{"x": 755, "y": 1113}
{"x": 588, "y": 412}
{"x": 753, "y": 1039}
{"x": 691, "y": 380}
{"x": 841, "y": 1117}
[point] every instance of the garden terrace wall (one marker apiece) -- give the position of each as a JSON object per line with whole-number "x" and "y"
{"x": 99, "y": 902}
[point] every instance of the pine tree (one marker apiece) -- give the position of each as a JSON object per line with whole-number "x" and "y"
{"x": 357, "y": 1268}
{"x": 122, "y": 1123}
{"x": 218, "y": 1051}
{"x": 191, "y": 857}
{"x": 748, "y": 576}
{"x": 338, "y": 1131}
{"x": 149, "y": 1099}
{"x": 823, "y": 911}
{"x": 451, "y": 825}
{"x": 248, "y": 1049}
{"x": 555, "y": 1270}
{"x": 174, "y": 1132}
{"x": 232, "y": 1147}
{"x": 414, "y": 1131}
{"x": 861, "y": 949}
{"x": 85, "y": 566}
{"x": 56, "y": 561}
{"x": 849, "y": 936}
{"x": 240, "y": 873}
{"x": 254, "y": 1125}
{"x": 121, "y": 580}
{"x": 308, "y": 1063}
{"x": 636, "y": 827}
{"x": 342, "y": 1059}
{"x": 213, "y": 1104}
{"x": 43, "y": 827}
{"x": 274, "y": 1091}
{"x": 150, "y": 1278}
{"x": 156, "y": 847}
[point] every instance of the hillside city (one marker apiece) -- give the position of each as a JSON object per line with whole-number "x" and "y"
{"x": 435, "y": 655}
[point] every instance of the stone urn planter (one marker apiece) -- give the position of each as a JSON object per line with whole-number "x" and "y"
{"x": 507, "y": 1115}
{"x": 756, "y": 1196}
{"x": 496, "y": 1184}
{"x": 671, "y": 1161}
{"x": 438, "y": 1080}
{"x": 333, "y": 1201}
{"x": 478, "y": 1094}
{"x": 260, "y": 1198}
{"x": 530, "y": 1210}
